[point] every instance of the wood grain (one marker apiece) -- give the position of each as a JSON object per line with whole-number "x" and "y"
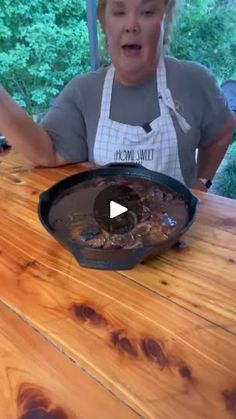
{"x": 37, "y": 381}
{"x": 200, "y": 277}
{"x": 161, "y": 337}
{"x": 142, "y": 347}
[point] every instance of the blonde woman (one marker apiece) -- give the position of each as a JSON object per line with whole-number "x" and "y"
{"x": 145, "y": 107}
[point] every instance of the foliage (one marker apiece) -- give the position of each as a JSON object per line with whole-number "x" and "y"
{"x": 205, "y": 32}
{"x": 43, "y": 44}
{"x": 226, "y": 184}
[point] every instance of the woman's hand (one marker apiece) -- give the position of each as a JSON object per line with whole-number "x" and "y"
{"x": 199, "y": 185}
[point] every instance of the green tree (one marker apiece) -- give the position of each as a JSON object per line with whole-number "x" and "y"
{"x": 205, "y": 31}
{"x": 43, "y": 44}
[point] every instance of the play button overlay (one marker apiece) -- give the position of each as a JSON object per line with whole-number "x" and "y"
{"x": 118, "y": 209}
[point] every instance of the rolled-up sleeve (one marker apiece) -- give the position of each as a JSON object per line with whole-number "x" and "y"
{"x": 215, "y": 109}
{"x": 64, "y": 122}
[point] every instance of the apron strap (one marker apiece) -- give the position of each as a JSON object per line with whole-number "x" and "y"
{"x": 107, "y": 92}
{"x": 165, "y": 94}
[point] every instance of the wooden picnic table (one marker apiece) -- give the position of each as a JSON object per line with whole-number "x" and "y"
{"x": 157, "y": 341}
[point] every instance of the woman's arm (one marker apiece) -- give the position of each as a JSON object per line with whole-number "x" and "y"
{"x": 210, "y": 157}
{"x": 25, "y": 135}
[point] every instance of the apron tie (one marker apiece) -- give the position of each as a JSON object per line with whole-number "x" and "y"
{"x": 167, "y": 98}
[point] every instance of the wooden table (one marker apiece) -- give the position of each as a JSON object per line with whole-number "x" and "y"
{"x": 158, "y": 341}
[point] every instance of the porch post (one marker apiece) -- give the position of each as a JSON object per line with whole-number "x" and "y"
{"x": 92, "y": 28}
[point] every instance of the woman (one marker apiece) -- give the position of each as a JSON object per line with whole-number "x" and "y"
{"x": 144, "y": 108}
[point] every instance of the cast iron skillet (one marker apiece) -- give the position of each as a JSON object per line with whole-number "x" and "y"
{"x": 114, "y": 259}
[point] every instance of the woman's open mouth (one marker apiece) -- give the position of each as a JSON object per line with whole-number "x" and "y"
{"x": 132, "y": 50}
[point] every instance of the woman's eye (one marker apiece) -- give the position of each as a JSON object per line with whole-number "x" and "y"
{"x": 147, "y": 12}
{"x": 118, "y": 13}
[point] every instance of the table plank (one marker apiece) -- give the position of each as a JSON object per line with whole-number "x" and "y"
{"x": 164, "y": 358}
{"x": 154, "y": 355}
{"x": 224, "y": 210}
{"x": 200, "y": 277}
{"x": 38, "y": 381}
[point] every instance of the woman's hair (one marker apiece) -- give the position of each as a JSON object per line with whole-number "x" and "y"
{"x": 170, "y": 6}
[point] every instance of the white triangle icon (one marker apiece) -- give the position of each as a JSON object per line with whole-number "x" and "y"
{"x": 116, "y": 209}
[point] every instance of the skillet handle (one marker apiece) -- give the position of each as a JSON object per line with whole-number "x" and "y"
{"x": 136, "y": 165}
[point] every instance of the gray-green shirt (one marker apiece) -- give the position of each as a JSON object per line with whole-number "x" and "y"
{"x": 72, "y": 120}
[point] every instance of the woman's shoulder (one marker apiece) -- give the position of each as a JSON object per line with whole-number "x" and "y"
{"x": 89, "y": 80}
{"x": 188, "y": 71}
{"x": 82, "y": 88}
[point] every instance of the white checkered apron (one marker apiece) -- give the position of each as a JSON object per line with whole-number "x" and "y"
{"x": 156, "y": 150}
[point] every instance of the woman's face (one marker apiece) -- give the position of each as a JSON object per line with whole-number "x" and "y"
{"x": 133, "y": 30}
